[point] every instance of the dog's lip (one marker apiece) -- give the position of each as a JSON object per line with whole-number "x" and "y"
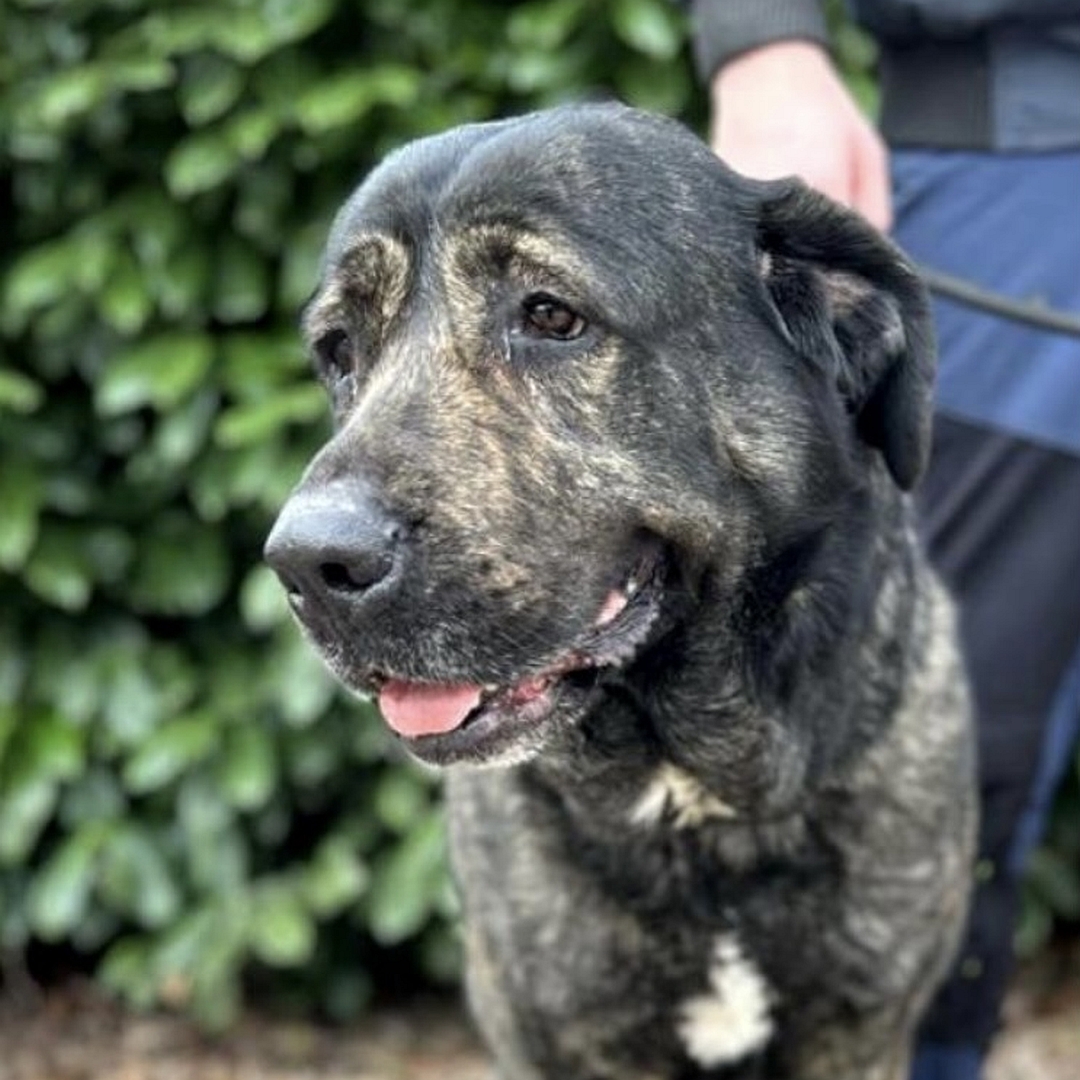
{"x": 418, "y": 712}
{"x": 461, "y": 706}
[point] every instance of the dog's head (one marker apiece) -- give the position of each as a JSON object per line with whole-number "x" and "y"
{"x": 577, "y": 368}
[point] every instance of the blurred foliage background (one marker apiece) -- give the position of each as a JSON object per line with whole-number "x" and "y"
{"x": 188, "y": 807}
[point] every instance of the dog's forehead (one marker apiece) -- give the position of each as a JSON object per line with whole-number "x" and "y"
{"x": 591, "y": 170}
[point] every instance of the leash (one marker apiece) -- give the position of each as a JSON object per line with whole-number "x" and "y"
{"x": 1032, "y": 313}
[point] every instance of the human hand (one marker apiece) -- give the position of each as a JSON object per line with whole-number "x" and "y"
{"x": 782, "y": 109}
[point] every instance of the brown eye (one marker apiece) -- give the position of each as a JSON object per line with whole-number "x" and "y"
{"x": 544, "y": 316}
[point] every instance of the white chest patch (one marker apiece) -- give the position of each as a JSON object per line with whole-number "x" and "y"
{"x": 674, "y": 792}
{"x": 732, "y": 1020}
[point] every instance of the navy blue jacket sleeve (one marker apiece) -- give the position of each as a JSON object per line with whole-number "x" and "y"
{"x": 724, "y": 28}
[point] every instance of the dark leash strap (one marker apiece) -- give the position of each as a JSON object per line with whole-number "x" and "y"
{"x": 1032, "y": 312}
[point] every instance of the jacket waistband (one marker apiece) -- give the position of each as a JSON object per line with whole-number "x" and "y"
{"x": 1006, "y": 91}
{"x": 937, "y": 94}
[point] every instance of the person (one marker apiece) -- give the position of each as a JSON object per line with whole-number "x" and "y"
{"x": 977, "y": 173}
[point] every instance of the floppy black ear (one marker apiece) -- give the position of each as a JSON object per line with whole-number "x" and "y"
{"x": 848, "y": 298}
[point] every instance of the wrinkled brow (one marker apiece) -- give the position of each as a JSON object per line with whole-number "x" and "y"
{"x": 508, "y": 246}
{"x": 371, "y": 277}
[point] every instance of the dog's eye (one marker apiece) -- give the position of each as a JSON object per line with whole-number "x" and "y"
{"x": 335, "y": 354}
{"x": 544, "y": 316}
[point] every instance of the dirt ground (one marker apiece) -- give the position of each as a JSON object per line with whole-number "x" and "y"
{"x": 75, "y": 1035}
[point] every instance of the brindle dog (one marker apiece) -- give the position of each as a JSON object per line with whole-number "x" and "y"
{"x": 617, "y": 507}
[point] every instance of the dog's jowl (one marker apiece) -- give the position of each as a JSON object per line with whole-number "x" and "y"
{"x": 615, "y": 523}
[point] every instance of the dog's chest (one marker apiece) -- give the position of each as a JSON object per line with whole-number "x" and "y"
{"x": 595, "y": 991}
{"x": 605, "y": 970}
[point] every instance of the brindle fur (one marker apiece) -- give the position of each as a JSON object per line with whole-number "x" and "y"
{"x": 783, "y": 773}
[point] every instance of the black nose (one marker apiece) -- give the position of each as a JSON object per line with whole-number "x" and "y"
{"x": 333, "y": 544}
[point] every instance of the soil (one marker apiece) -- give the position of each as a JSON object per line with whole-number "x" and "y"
{"x": 75, "y": 1034}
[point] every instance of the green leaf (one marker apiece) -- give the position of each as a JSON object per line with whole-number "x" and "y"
{"x": 281, "y": 932}
{"x": 25, "y": 807}
{"x": 300, "y": 682}
{"x": 242, "y": 289}
{"x": 58, "y": 570}
{"x": 650, "y": 84}
{"x": 132, "y": 703}
{"x": 215, "y": 849}
{"x": 537, "y": 72}
{"x": 251, "y": 132}
{"x": 125, "y": 301}
{"x": 52, "y": 747}
{"x": 95, "y": 795}
{"x": 108, "y": 550}
{"x": 247, "y": 766}
{"x": 60, "y": 890}
{"x": 94, "y": 930}
{"x": 19, "y": 393}
{"x": 128, "y": 970}
{"x": 68, "y": 94}
{"x": 310, "y": 758}
{"x": 197, "y": 962}
{"x": 181, "y": 286}
{"x": 138, "y": 73}
{"x": 172, "y": 749}
{"x": 262, "y": 600}
{"x": 401, "y": 798}
{"x": 78, "y": 695}
{"x": 344, "y": 98}
{"x": 156, "y": 225}
{"x": 182, "y": 568}
{"x": 289, "y": 22}
{"x": 300, "y": 267}
{"x": 335, "y": 878}
{"x": 217, "y": 858}
{"x": 255, "y": 363}
{"x": 210, "y": 87}
{"x": 135, "y": 878}
{"x": 406, "y": 883}
{"x": 259, "y": 421}
{"x": 21, "y": 498}
{"x": 182, "y": 432}
{"x": 648, "y": 26}
{"x": 544, "y": 24}
{"x": 160, "y": 371}
{"x": 199, "y": 163}
{"x": 39, "y": 277}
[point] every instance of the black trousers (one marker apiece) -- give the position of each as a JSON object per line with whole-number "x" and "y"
{"x": 1001, "y": 518}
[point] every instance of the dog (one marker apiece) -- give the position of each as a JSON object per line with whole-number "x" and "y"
{"x": 615, "y": 523}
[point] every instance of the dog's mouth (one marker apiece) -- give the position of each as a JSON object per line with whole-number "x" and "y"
{"x": 443, "y": 722}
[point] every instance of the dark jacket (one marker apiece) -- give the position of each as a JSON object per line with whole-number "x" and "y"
{"x": 975, "y": 74}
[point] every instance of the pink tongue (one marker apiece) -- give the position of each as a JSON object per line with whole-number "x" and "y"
{"x": 414, "y": 709}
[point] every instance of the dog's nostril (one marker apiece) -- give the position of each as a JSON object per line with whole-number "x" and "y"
{"x": 357, "y": 577}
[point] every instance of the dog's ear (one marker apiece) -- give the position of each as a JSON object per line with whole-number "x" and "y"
{"x": 848, "y": 298}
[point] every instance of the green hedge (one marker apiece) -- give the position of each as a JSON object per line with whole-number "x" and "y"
{"x": 185, "y": 800}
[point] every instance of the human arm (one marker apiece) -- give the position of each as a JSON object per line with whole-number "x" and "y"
{"x": 780, "y": 108}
